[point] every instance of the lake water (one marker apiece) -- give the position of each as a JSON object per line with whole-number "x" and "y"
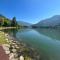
{"x": 46, "y": 41}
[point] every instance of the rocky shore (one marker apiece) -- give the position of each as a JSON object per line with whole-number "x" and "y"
{"x": 19, "y": 51}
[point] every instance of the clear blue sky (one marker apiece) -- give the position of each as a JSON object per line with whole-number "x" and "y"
{"x": 31, "y": 11}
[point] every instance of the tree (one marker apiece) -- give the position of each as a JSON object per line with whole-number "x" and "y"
{"x": 7, "y": 22}
{"x": 14, "y": 22}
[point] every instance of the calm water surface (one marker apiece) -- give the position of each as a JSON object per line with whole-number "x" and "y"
{"x": 46, "y": 41}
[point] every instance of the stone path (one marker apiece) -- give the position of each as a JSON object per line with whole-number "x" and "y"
{"x": 3, "y": 56}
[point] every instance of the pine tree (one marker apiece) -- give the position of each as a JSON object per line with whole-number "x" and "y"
{"x": 14, "y": 22}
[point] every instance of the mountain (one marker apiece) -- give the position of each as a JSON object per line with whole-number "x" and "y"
{"x": 23, "y": 23}
{"x": 53, "y": 21}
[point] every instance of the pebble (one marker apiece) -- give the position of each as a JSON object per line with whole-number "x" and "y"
{"x": 7, "y": 52}
{"x": 6, "y": 48}
{"x": 13, "y": 47}
{"x": 15, "y": 55}
{"x": 11, "y": 56}
{"x": 14, "y": 50}
{"x": 6, "y": 45}
{"x": 21, "y": 58}
{"x": 17, "y": 47}
{"x": 6, "y": 35}
{"x": 6, "y": 39}
{"x": 13, "y": 43}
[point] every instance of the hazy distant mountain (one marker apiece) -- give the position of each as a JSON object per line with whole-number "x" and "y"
{"x": 53, "y": 21}
{"x": 23, "y": 23}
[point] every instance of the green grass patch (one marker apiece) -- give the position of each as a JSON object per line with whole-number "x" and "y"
{"x": 2, "y": 38}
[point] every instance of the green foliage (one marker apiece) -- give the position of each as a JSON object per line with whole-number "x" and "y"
{"x": 14, "y": 22}
{"x": 7, "y": 22}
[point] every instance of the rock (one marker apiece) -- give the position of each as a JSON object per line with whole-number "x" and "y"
{"x": 13, "y": 43}
{"x": 14, "y": 50}
{"x": 6, "y": 48}
{"x": 15, "y": 55}
{"x": 21, "y": 58}
{"x": 17, "y": 47}
{"x": 7, "y": 39}
{"x": 7, "y": 52}
{"x": 11, "y": 40}
{"x": 13, "y": 47}
{"x": 11, "y": 56}
{"x": 6, "y": 45}
{"x": 16, "y": 41}
{"x": 6, "y": 35}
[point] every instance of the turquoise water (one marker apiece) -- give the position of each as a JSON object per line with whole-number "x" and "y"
{"x": 46, "y": 41}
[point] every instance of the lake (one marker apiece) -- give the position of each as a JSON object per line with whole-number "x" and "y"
{"x": 46, "y": 41}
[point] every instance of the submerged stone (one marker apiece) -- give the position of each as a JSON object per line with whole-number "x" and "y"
{"x": 21, "y": 58}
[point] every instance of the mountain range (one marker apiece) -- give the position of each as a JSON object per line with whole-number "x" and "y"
{"x": 24, "y": 23}
{"x": 53, "y": 21}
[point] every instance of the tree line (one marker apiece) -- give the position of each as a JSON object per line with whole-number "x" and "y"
{"x": 7, "y": 22}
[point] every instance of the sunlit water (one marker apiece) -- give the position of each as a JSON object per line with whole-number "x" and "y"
{"x": 46, "y": 41}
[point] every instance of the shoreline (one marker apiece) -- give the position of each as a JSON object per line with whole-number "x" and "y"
{"x": 16, "y": 49}
{"x": 2, "y": 28}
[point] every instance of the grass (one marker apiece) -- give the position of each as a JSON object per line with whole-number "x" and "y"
{"x": 2, "y": 38}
